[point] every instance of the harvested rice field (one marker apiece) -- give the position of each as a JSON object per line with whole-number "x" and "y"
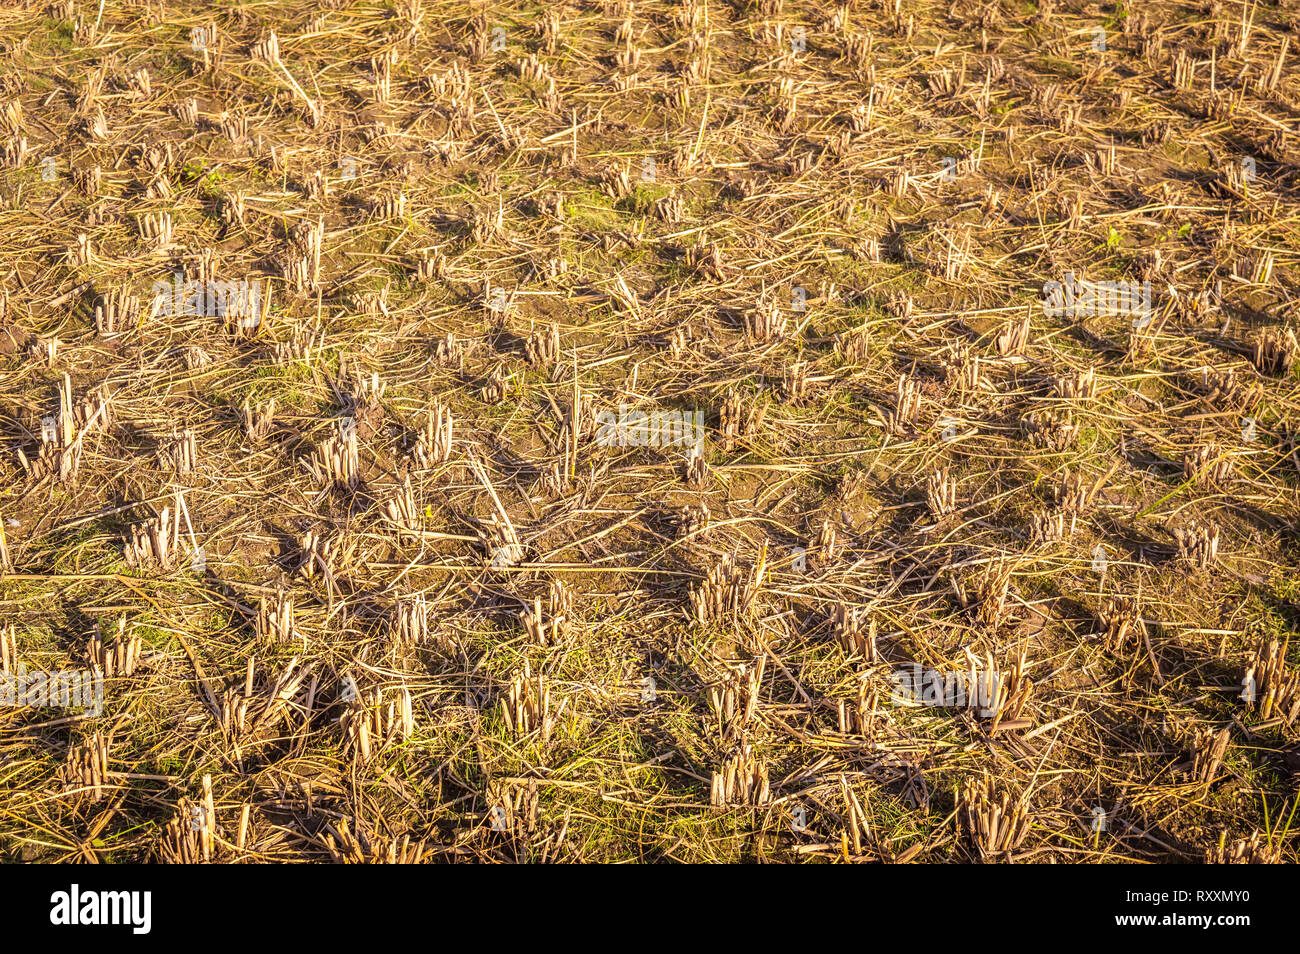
{"x": 627, "y": 431}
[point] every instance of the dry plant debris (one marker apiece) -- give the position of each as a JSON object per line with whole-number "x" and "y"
{"x": 606, "y": 431}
